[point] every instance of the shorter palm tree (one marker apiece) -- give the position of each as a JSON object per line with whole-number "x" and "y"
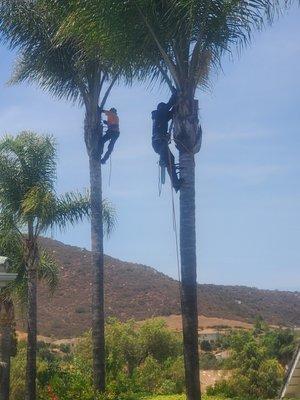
{"x": 29, "y": 207}
{"x": 16, "y": 295}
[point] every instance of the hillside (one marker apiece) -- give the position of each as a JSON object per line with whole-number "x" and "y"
{"x": 137, "y": 291}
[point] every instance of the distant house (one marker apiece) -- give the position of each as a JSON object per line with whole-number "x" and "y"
{"x": 5, "y": 278}
{"x": 4, "y": 263}
{"x": 209, "y": 335}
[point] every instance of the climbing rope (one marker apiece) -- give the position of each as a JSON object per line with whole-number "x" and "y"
{"x": 174, "y": 218}
{"x": 159, "y": 180}
{"x": 176, "y": 236}
{"x": 110, "y": 170}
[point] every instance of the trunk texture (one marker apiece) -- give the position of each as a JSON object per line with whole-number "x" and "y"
{"x": 189, "y": 276}
{"x": 5, "y": 359}
{"x": 188, "y": 139}
{"x": 31, "y": 317}
{"x": 6, "y": 321}
{"x": 93, "y": 135}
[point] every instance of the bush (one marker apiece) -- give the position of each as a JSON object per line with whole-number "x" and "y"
{"x": 208, "y": 361}
{"x": 65, "y": 348}
{"x": 255, "y": 374}
{"x": 158, "y": 341}
{"x": 139, "y": 359}
{"x": 280, "y": 344}
{"x": 149, "y": 376}
{"x": 205, "y": 345}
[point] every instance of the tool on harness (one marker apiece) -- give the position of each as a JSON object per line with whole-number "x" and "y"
{"x": 162, "y": 163}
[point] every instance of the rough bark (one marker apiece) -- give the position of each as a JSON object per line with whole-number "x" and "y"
{"x": 6, "y": 321}
{"x": 93, "y": 135}
{"x": 5, "y": 358}
{"x": 189, "y": 275}
{"x": 31, "y": 317}
{"x": 187, "y": 134}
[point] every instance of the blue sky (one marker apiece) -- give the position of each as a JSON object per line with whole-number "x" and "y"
{"x": 248, "y": 192}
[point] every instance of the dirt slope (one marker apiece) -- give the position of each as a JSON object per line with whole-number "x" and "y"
{"x": 140, "y": 292}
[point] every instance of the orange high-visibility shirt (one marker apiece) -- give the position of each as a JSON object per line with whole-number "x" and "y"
{"x": 112, "y": 118}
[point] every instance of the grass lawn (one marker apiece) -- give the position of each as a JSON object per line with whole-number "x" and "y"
{"x": 172, "y": 397}
{"x": 178, "y": 397}
{"x": 181, "y": 397}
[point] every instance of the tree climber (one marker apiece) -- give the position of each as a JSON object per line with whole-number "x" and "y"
{"x": 160, "y": 137}
{"x": 112, "y": 134}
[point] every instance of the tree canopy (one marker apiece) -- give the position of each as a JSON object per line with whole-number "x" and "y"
{"x": 184, "y": 39}
{"x": 27, "y": 194}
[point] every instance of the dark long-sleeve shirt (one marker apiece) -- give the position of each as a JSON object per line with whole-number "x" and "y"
{"x": 161, "y": 117}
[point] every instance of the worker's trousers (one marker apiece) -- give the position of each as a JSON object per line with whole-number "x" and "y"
{"x": 112, "y": 137}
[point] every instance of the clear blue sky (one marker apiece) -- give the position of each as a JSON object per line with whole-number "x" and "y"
{"x": 248, "y": 172}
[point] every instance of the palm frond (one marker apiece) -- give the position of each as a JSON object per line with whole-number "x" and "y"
{"x": 48, "y": 270}
{"x": 109, "y": 217}
{"x": 188, "y": 38}
{"x": 62, "y": 66}
{"x": 28, "y": 196}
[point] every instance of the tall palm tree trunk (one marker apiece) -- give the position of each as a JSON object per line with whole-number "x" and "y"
{"x": 6, "y": 346}
{"x": 31, "y": 317}
{"x": 189, "y": 275}
{"x": 93, "y": 136}
{"x": 188, "y": 142}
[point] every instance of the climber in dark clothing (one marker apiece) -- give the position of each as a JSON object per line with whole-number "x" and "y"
{"x": 160, "y": 137}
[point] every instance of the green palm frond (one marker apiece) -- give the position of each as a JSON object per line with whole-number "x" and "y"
{"x": 31, "y": 26}
{"x": 63, "y": 67}
{"x": 21, "y": 156}
{"x": 52, "y": 211}
{"x": 109, "y": 217}
{"x": 70, "y": 208}
{"x": 48, "y": 270}
{"x": 27, "y": 196}
{"x": 179, "y": 39}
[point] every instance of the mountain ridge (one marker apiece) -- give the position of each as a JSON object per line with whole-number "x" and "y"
{"x": 137, "y": 291}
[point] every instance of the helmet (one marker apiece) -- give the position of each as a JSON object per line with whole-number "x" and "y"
{"x": 161, "y": 106}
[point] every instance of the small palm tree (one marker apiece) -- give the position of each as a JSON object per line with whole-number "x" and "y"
{"x": 16, "y": 294}
{"x": 29, "y": 207}
{"x": 79, "y": 72}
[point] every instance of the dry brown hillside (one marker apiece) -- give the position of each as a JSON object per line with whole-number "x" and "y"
{"x": 137, "y": 291}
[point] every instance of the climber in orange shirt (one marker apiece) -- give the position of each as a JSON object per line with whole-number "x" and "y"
{"x": 112, "y": 134}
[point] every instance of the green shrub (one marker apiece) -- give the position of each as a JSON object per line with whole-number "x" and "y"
{"x": 149, "y": 375}
{"x": 205, "y": 345}
{"x": 158, "y": 341}
{"x": 255, "y": 375}
{"x": 65, "y": 348}
{"x": 209, "y": 361}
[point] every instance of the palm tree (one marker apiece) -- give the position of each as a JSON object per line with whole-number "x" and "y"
{"x": 16, "y": 293}
{"x": 79, "y": 72}
{"x": 183, "y": 42}
{"x": 30, "y": 207}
